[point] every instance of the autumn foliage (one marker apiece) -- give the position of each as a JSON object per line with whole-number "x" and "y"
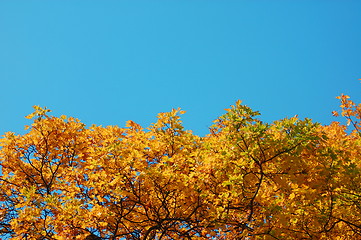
{"x": 246, "y": 179}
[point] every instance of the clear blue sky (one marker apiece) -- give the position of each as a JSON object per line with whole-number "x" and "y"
{"x": 106, "y": 62}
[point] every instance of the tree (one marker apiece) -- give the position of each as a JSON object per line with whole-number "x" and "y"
{"x": 290, "y": 179}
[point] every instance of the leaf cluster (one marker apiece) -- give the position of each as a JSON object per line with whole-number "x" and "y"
{"x": 246, "y": 179}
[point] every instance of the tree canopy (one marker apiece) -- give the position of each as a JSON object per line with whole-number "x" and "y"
{"x": 246, "y": 179}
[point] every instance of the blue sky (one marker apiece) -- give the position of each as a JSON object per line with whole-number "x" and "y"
{"x": 106, "y": 62}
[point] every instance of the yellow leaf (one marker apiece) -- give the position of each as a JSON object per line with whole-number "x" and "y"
{"x": 292, "y": 196}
